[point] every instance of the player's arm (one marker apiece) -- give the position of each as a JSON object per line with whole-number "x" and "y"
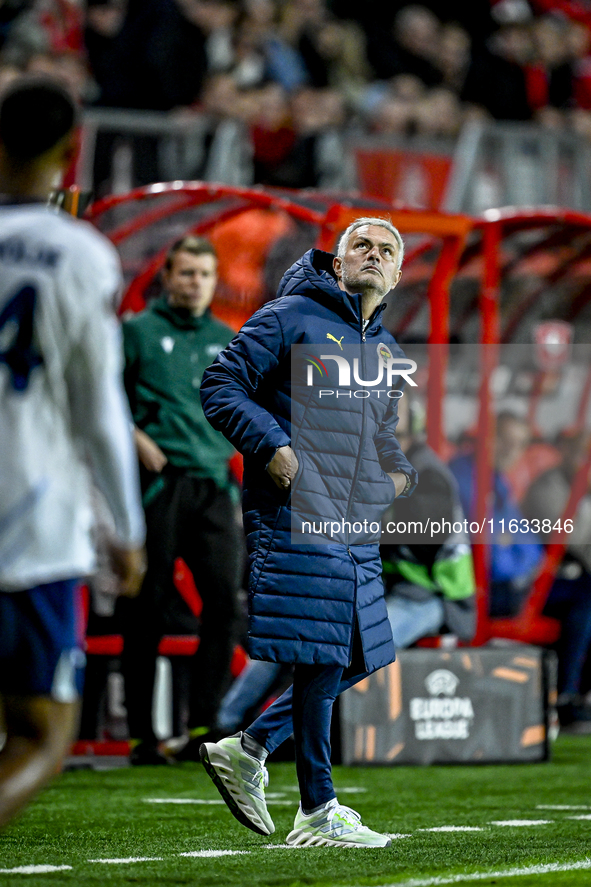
{"x": 102, "y": 420}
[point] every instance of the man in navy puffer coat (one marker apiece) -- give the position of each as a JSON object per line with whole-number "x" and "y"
{"x": 321, "y": 464}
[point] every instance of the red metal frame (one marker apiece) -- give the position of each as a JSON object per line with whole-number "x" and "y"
{"x": 530, "y": 625}
{"x": 489, "y": 337}
{"x": 563, "y": 270}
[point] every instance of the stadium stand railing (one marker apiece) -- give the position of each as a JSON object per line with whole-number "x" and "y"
{"x": 489, "y": 164}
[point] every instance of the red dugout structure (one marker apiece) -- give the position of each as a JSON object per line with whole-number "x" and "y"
{"x": 484, "y": 282}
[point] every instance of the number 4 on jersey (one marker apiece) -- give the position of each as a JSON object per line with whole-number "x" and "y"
{"x": 16, "y": 337}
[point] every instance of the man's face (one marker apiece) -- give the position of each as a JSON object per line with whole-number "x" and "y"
{"x": 191, "y": 281}
{"x": 370, "y": 263}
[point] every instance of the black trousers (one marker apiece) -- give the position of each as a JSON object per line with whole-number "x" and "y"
{"x": 189, "y": 518}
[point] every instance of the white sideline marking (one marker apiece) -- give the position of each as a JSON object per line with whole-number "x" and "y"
{"x": 216, "y": 853}
{"x": 344, "y": 790}
{"x": 486, "y": 876}
{"x": 218, "y": 801}
{"x": 302, "y": 847}
{"x": 563, "y": 807}
{"x": 128, "y": 859}
{"x": 35, "y": 869}
{"x": 183, "y": 801}
{"x": 426, "y": 882}
{"x": 278, "y": 798}
{"x": 453, "y": 828}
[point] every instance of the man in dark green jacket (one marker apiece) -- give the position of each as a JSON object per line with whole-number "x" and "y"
{"x": 187, "y": 493}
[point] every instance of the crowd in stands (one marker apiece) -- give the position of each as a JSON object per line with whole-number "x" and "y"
{"x": 291, "y": 70}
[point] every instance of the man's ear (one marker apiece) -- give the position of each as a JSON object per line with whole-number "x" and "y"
{"x": 337, "y": 267}
{"x": 397, "y": 278}
{"x": 72, "y": 147}
{"x": 66, "y": 150}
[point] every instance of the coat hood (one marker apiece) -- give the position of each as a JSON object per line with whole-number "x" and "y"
{"x": 313, "y": 276}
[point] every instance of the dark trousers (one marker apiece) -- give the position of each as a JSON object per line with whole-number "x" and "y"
{"x": 306, "y": 710}
{"x": 570, "y": 602}
{"x": 189, "y": 518}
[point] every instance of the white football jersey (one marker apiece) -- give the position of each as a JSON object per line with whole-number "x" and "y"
{"x": 62, "y": 404}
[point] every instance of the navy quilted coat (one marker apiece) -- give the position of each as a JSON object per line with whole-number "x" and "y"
{"x": 308, "y": 592}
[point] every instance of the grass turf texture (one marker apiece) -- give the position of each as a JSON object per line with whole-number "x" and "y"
{"x": 87, "y": 815}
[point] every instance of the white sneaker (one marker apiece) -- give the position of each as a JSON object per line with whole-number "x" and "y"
{"x": 241, "y": 781}
{"x": 335, "y": 826}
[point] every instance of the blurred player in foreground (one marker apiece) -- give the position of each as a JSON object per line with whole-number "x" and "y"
{"x": 62, "y": 406}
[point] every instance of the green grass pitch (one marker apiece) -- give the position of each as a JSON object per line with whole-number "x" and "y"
{"x": 502, "y": 824}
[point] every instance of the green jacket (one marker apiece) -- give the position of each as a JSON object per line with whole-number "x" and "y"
{"x": 434, "y": 565}
{"x": 166, "y": 352}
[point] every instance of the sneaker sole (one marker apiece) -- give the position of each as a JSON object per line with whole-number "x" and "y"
{"x": 224, "y": 780}
{"x": 299, "y": 838}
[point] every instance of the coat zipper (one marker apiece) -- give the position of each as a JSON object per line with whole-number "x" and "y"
{"x": 355, "y": 476}
{"x": 362, "y": 440}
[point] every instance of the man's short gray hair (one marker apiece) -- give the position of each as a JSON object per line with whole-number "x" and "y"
{"x": 382, "y": 223}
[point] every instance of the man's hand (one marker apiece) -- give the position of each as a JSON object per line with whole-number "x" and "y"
{"x": 283, "y": 467}
{"x": 399, "y": 480}
{"x": 150, "y": 454}
{"x": 129, "y": 566}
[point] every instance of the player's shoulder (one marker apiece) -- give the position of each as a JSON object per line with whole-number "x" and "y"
{"x": 82, "y": 234}
{"x": 76, "y": 237}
